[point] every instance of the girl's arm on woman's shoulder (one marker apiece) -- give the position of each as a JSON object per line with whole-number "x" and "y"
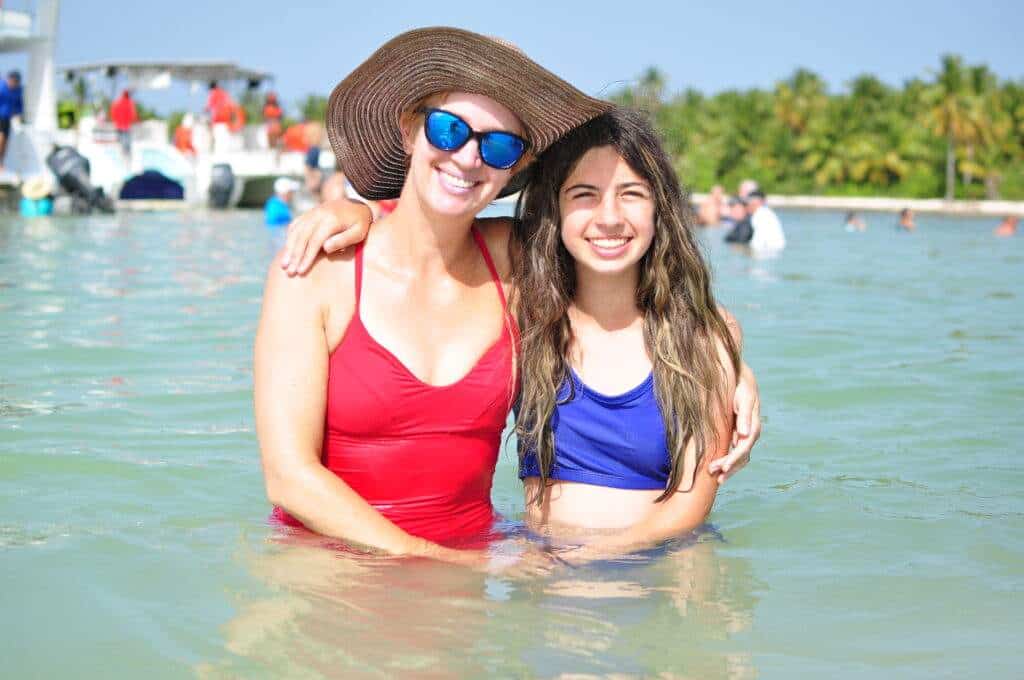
{"x": 291, "y": 363}
{"x": 331, "y": 227}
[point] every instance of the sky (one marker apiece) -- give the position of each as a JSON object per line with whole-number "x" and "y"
{"x": 598, "y": 46}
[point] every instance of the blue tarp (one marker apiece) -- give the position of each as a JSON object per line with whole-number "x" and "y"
{"x": 153, "y": 185}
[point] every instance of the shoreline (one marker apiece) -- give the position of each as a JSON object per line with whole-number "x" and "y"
{"x": 876, "y": 204}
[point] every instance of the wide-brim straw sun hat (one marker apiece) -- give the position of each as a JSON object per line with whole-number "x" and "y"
{"x": 365, "y": 108}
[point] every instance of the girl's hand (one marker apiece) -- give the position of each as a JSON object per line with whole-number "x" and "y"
{"x": 747, "y": 406}
{"x": 522, "y": 559}
{"x": 332, "y": 226}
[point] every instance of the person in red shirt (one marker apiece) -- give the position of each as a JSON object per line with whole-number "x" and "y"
{"x": 124, "y": 115}
{"x": 219, "y": 104}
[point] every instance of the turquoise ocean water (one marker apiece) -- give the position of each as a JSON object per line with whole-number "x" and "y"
{"x": 878, "y": 532}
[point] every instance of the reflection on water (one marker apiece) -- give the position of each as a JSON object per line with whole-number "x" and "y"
{"x": 877, "y": 532}
{"x": 327, "y": 614}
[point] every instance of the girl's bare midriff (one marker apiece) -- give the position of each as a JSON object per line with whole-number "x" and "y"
{"x": 573, "y": 505}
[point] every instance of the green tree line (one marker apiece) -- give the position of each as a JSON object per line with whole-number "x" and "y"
{"x": 959, "y": 134}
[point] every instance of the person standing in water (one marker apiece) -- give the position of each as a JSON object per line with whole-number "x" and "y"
{"x": 627, "y": 365}
{"x": 384, "y": 377}
{"x": 768, "y": 235}
{"x": 277, "y": 211}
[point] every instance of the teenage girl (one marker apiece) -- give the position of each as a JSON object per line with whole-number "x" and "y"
{"x": 627, "y": 366}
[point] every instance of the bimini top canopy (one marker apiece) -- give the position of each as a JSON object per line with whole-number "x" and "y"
{"x": 158, "y": 75}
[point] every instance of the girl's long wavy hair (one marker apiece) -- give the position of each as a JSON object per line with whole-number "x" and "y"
{"x": 681, "y": 322}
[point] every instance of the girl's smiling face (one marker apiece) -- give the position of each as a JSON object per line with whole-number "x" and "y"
{"x": 607, "y": 213}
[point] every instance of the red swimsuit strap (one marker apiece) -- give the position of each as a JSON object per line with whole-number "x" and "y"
{"x": 359, "y": 275}
{"x": 482, "y": 244}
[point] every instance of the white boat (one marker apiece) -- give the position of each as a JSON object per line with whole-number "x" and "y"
{"x": 253, "y": 163}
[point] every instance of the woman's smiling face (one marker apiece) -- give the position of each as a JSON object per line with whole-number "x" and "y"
{"x": 459, "y": 182}
{"x": 607, "y": 213}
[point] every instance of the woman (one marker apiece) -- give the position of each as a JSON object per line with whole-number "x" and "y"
{"x": 626, "y": 363}
{"x": 383, "y": 378}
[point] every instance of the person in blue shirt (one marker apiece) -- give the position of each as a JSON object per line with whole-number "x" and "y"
{"x": 276, "y": 211}
{"x": 10, "y": 106}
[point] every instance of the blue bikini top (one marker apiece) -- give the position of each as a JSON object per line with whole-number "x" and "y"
{"x": 616, "y": 441}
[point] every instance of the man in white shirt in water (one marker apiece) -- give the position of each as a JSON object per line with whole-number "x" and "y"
{"x": 768, "y": 235}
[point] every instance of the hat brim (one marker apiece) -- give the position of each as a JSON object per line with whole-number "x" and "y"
{"x": 36, "y": 189}
{"x": 364, "y": 111}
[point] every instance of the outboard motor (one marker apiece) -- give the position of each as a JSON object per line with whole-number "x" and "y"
{"x": 72, "y": 171}
{"x": 222, "y": 182}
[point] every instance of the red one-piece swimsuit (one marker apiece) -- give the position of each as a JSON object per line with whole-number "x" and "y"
{"x": 422, "y": 455}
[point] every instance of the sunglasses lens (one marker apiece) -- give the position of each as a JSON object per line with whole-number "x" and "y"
{"x": 446, "y": 131}
{"x": 501, "y": 149}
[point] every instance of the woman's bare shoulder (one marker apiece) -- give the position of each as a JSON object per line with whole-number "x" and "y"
{"x": 328, "y": 288}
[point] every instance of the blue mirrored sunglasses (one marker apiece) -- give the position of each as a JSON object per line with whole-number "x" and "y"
{"x": 448, "y": 132}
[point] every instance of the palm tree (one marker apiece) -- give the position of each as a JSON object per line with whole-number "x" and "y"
{"x": 870, "y": 98}
{"x": 313, "y": 107}
{"x": 948, "y": 113}
{"x": 799, "y": 99}
{"x": 651, "y": 89}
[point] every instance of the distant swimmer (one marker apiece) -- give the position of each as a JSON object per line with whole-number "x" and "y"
{"x": 733, "y": 212}
{"x": 747, "y": 187}
{"x": 711, "y": 208}
{"x": 1007, "y": 228}
{"x": 906, "y": 222}
{"x": 741, "y": 231}
{"x": 854, "y": 222}
{"x": 277, "y": 211}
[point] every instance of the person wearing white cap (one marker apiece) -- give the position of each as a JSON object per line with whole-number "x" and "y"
{"x": 277, "y": 210}
{"x": 35, "y": 196}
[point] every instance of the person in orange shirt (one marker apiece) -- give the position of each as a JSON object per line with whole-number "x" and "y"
{"x": 183, "y": 135}
{"x": 295, "y": 138}
{"x": 124, "y": 114}
{"x": 219, "y": 104}
{"x": 272, "y": 115}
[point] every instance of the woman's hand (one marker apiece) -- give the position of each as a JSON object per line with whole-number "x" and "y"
{"x": 747, "y": 407}
{"x": 332, "y": 226}
{"x": 516, "y": 558}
